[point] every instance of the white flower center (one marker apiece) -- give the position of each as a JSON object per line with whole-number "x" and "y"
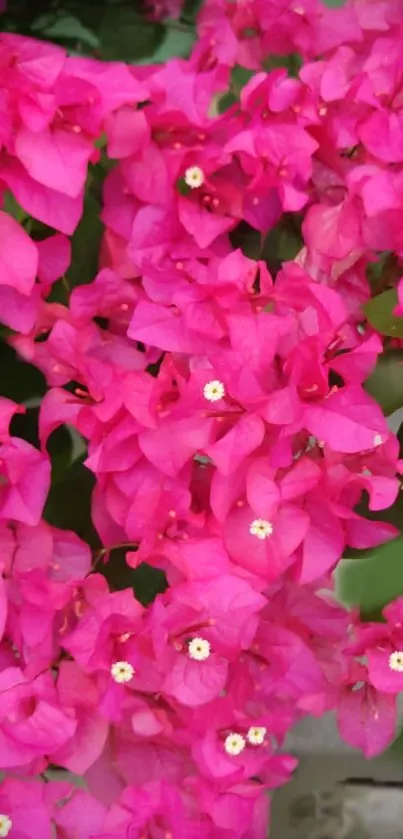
{"x": 261, "y": 528}
{"x": 122, "y": 671}
{"x": 199, "y": 649}
{"x": 5, "y": 825}
{"x": 234, "y": 744}
{"x": 396, "y": 661}
{"x": 213, "y": 391}
{"x": 378, "y": 440}
{"x": 256, "y": 735}
{"x": 194, "y": 177}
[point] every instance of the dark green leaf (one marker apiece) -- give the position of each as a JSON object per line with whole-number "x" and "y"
{"x": 60, "y": 447}
{"x": 145, "y": 580}
{"x": 125, "y": 35}
{"x": 26, "y": 426}
{"x": 69, "y": 501}
{"x": 334, "y": 4}
{"x": 386, "y": 382}
{"x": 247, "y": 239}
{"x": 283, "y": 242}
{"x": 19, "y": 381}
{"x": 148, "y": 582}
{"x": 86, "y": 243}
{"x": 190, "y": 9}
{"x": 379, "y": 312}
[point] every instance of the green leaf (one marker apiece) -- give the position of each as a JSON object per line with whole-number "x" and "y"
{"x": 334, "y": 4}
{"x": 69, "y": 501}
{"x": 373, "y": 580}
{"x": 385, "y": 384}
{"x": 148, "y": 582}
{"x": 381, "y": 271}
{"x": 86, "y": 244}
{"x": 125, "y": 35}
{"x": 247, "y": 239}
{"x": 66, "y": 27}
{"x": 379, "y": 312}
{"x": 145, "y": 580}
{"x": 226, "y": 101}
{"x": 12, "y": 207}
{"x": 190, "y": 10}
{"x": 20, "y": 381}
{"x": 291, "y": 62}
{"x": 176, "y": 42}
{"x": 239, "y": 78}
{"x": 60, "y": 448}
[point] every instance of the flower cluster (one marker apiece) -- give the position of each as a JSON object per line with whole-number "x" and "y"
{"x": 223, "y": 409}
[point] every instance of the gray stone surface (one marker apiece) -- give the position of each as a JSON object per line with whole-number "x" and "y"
{"x": 335, "y": 792}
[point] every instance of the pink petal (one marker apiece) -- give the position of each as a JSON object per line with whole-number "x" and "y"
{"x": 347, "y": 420}
{"x": 86, "y": 744}
{"x": 54, "y": 258}
{"x": 53, "y": 208}
{"x": 262, "y": 492}
{"x": 195, "y": 683}
{"x": 204, "y": 226}
{"x": 18, "y": 256}
{"x": 128, "y": 133}
{"x": 323, "y": 543}
{"x": 229, "y": 452}
{"x": 56, "y": 159}
{"x": 367, "y": 719}
{"x": 380, "y": 674}
{"x": 332, "y": 231}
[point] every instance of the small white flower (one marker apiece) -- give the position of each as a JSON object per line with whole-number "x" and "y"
{"x": 396, "y": 661}
{"x": 194, "y": 177}
{"x": 213, "y": 391}
{"x": 256, "y": 735}
{"x": 234, "y": 744}
{"x": 199, "y": 649}
{"x": 378, "y": 440}
{"x": 261, "y": 528}
{"x": 5, "y": 825}
{"x": 122, "y": 671}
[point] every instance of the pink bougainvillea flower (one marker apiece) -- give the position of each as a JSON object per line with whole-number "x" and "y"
{"x": 220, "y": 407}
{"x": 367, "y": 718}
{"x": 25, "y": 477}
{"x": 348, "y": 420}
{"x": 92, "y": 641}
{"x": 18, "y": 256}
{"x": 333, "y": 231}
{"x": 24, "y": 809}
{"x": 271, "y": 551}
{"x": 31, "y": 722}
